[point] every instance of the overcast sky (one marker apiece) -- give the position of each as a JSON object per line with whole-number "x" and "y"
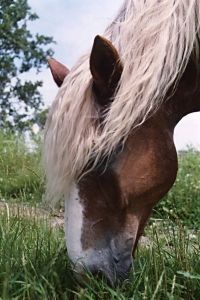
{"x": 73, "y": 25}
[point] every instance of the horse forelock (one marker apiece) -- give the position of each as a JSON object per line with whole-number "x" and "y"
{"x": 155, "y": 40}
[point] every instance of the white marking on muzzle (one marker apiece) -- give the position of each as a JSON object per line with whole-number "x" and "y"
{"x": 73, "y": 225}
{"x": 74, "y": 216}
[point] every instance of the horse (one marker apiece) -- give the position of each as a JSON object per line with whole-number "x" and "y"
{"x": 108, "y": 145}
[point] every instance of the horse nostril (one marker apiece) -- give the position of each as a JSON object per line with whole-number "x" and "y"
{"x": 97, "y": 273}
{"x": 105, "y": 275}
{"x": 116, "y": 259}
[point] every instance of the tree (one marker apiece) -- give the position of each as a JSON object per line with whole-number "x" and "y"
{"x": 20, "y": 50}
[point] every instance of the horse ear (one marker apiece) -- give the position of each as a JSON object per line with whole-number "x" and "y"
{"x": 105, "y": 66}
{"x": 58, "y": 70}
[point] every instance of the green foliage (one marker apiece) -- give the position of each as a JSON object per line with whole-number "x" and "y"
{"x": 183, "y": 200}
{"x": 33, "y": 260}
{"x": 41, "y": 118}
{"x": 34, "y": 265}
{"x": 21, "y": 176}
{"x": 20, "y": 51}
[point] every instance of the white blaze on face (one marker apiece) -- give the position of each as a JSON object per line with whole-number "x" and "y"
{"x": 98, "y": 257}
{"x": 73, "y": 225}
{"x": 74, "y": 216}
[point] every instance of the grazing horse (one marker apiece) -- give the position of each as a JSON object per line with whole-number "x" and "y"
{"x": 109, "y": 149}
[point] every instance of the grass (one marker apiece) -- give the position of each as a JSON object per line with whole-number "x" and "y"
{"x": 34, "y": 265}
{"x": 33, "y": 258}
{"x": 183, "y": 200}
{"x": 21, "y": 176}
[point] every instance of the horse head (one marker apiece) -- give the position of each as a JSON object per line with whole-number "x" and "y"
{"x": 109, "y": 146}
{"x": 109, "y": 206}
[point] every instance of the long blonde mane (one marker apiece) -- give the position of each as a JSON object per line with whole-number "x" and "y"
{"x": 155, "y": 39}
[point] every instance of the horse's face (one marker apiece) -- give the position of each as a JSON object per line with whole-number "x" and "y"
{"x": 107, "y": 211}
{"x": 108, "y": 208}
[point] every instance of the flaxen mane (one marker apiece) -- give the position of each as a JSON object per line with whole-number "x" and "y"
{"x": 155, "y": 39}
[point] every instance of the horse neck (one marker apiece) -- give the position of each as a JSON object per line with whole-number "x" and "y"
{"x": 186, "y": 99}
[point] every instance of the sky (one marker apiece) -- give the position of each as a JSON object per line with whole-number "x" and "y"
{"x": 73, "y": 25}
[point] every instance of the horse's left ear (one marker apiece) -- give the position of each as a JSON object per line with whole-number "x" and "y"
{"x": 58, "y": 70}
{"x": 105, "y": 66}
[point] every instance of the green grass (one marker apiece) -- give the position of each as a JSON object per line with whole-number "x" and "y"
{"x": 33, "y": 258}
{"x": 182, "y": 203}
{"x": 34, "y": 265}
{"x": 20, "y": 170}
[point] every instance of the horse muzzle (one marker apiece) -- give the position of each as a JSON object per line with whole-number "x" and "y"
{"x": 113, "y": 262}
